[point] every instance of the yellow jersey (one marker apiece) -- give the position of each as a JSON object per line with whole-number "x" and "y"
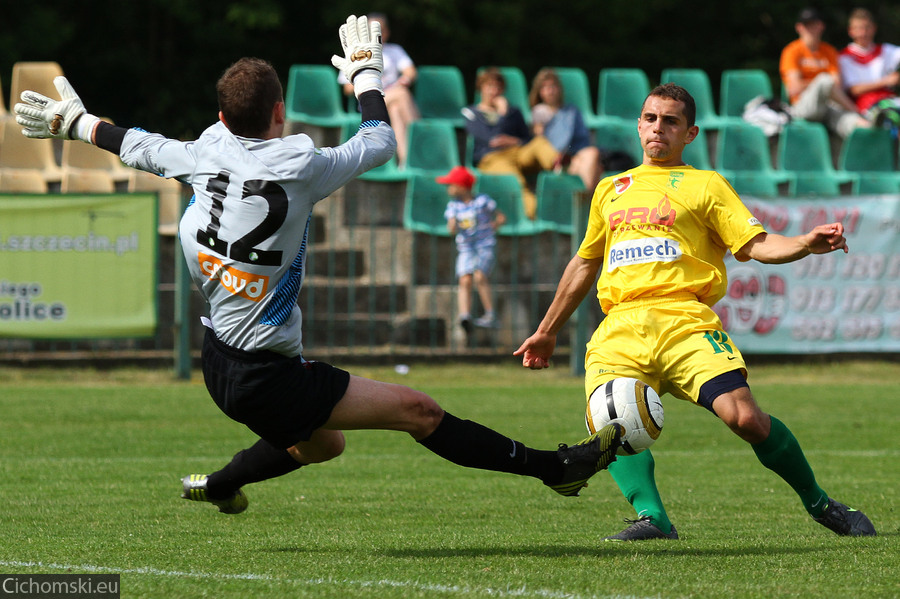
{"x": 664, "y": 231}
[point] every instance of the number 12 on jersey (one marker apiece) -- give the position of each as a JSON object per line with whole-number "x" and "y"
{"x": 245, "y": 249}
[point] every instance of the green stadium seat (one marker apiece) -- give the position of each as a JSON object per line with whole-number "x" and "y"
{"x": 555, "y": 196}
{"x": 876, "y": 182}
{"x": 753, "y": 183}
{"x": 440, "y": 93}
{"x": 314, "y": 97}
{"x": 743, "y": 157}
{"x": 870, "y": 154}
{"x": 577, "y": 91}
{"x": 516, "y": 89}
{"x": 507, "y": 192}
{"x": 866, "y": 150}
{"x": 808, "y": 183}
{"x": 619, "y": 136}
{"x": 424, "y": 205}
{"x": 696, "y": 153}
{"x": 621, "y": 93}
{"x": 738, "y": 87}
{"x": 469, "y": 151}
{"x": 432, "y": 147}
{"x": 696, "y": 81}
{"x": 804, "y": 150}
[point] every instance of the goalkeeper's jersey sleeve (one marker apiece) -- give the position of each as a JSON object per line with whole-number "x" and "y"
{"x": 245, "y": 232}
{"x": 663, "y": 231}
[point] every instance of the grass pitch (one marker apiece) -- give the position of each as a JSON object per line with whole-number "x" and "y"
{"x": 89, "y": 483}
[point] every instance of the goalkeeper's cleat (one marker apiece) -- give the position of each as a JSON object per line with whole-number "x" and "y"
{"x": 845, "y": 521}
{"x": 195, "y": 490}
{"x": 584, "y": 459}
{"x": 642, "y": 529}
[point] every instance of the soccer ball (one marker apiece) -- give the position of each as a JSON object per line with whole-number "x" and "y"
{"x": 632, "y": 404}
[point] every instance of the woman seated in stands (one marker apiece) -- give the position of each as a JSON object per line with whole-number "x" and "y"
{"x": 563, "y": 125}
{"x": 503, "y": 143}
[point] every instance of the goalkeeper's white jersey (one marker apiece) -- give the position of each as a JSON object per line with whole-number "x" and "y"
{"x": 245, "y": 232}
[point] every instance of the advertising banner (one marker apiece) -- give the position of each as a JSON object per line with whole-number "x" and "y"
{"x": 827, "y": 303}
{"x": 78, "y": 266}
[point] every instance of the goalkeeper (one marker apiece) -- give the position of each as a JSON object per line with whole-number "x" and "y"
{"x": 244, "y": 237}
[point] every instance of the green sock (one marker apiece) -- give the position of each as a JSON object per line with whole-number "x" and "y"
{"x": 634, "y": 475}
{"x": 781, "y": 453}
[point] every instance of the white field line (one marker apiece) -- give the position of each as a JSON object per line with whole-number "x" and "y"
{"x": 521, "y": 592}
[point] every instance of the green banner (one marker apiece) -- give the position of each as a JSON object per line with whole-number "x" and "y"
{"x": 827, "y": 303}
{"x": 78, "y": 266}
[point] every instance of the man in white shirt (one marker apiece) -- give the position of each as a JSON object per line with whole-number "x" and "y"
{"x": 869, "y": 69}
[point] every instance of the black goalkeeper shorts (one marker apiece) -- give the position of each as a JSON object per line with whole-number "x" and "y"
{"x": 282, "y": 399}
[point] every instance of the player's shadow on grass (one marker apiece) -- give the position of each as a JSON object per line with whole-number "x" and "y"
{"x": 605, "y": 550}
{"x": 601, "y": 549}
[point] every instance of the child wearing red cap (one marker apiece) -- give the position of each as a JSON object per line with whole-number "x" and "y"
{"x": 474, "y": 220}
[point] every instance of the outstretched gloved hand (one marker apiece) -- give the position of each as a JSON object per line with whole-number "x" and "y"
{"x": 65, "y": 118}
{"x": 362, "y": 63}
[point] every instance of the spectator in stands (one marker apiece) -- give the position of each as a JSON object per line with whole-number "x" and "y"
{"x": 810, "y": 73}
{"x": 869, "y": 71}
{"x": 563, "y": 124}
{"x": 503, "y": 143}
{"x": 398, "y": 78}
{"x": 474, "y": 220}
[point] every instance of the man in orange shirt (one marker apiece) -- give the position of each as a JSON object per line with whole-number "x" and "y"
{"x": 812, "y": 78}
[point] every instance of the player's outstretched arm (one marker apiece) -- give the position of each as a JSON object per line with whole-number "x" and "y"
{"x": 574, "y": 285}
{"x": 770, "y": 248}
{"x": 537, "y": 350}
{"x": 42, "y": 117}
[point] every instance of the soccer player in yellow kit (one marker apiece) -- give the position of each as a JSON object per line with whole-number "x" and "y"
{"x": 660, "y": 231}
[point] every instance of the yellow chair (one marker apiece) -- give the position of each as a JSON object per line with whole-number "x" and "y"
{"x": 87, "y": 181}
{"x": 20, "y": 152}
{"x": 169, "y": 192}
{"x": 36, "y": 76}
{"x": 4, "y": 113}
{"x": 21, "y": 181}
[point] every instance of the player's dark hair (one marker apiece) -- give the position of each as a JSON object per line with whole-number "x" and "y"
{"x": 679, "y": 94}
{"x": 247, "y": 92}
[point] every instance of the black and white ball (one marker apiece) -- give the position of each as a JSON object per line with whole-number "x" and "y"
{"x": 632, "y": 404}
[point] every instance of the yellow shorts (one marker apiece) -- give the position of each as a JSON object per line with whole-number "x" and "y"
{"x": 673, "y": 344}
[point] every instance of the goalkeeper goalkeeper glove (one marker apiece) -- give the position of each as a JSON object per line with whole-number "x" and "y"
{"x": 65, "y": 118}
{"x": 362, "y": 62}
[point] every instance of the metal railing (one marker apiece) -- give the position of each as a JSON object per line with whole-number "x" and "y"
{"x": 374, "y": 290}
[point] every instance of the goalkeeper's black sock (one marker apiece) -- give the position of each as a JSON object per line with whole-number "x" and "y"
{"x": 470, "y": 444}
{"x": 259, "y": 462}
